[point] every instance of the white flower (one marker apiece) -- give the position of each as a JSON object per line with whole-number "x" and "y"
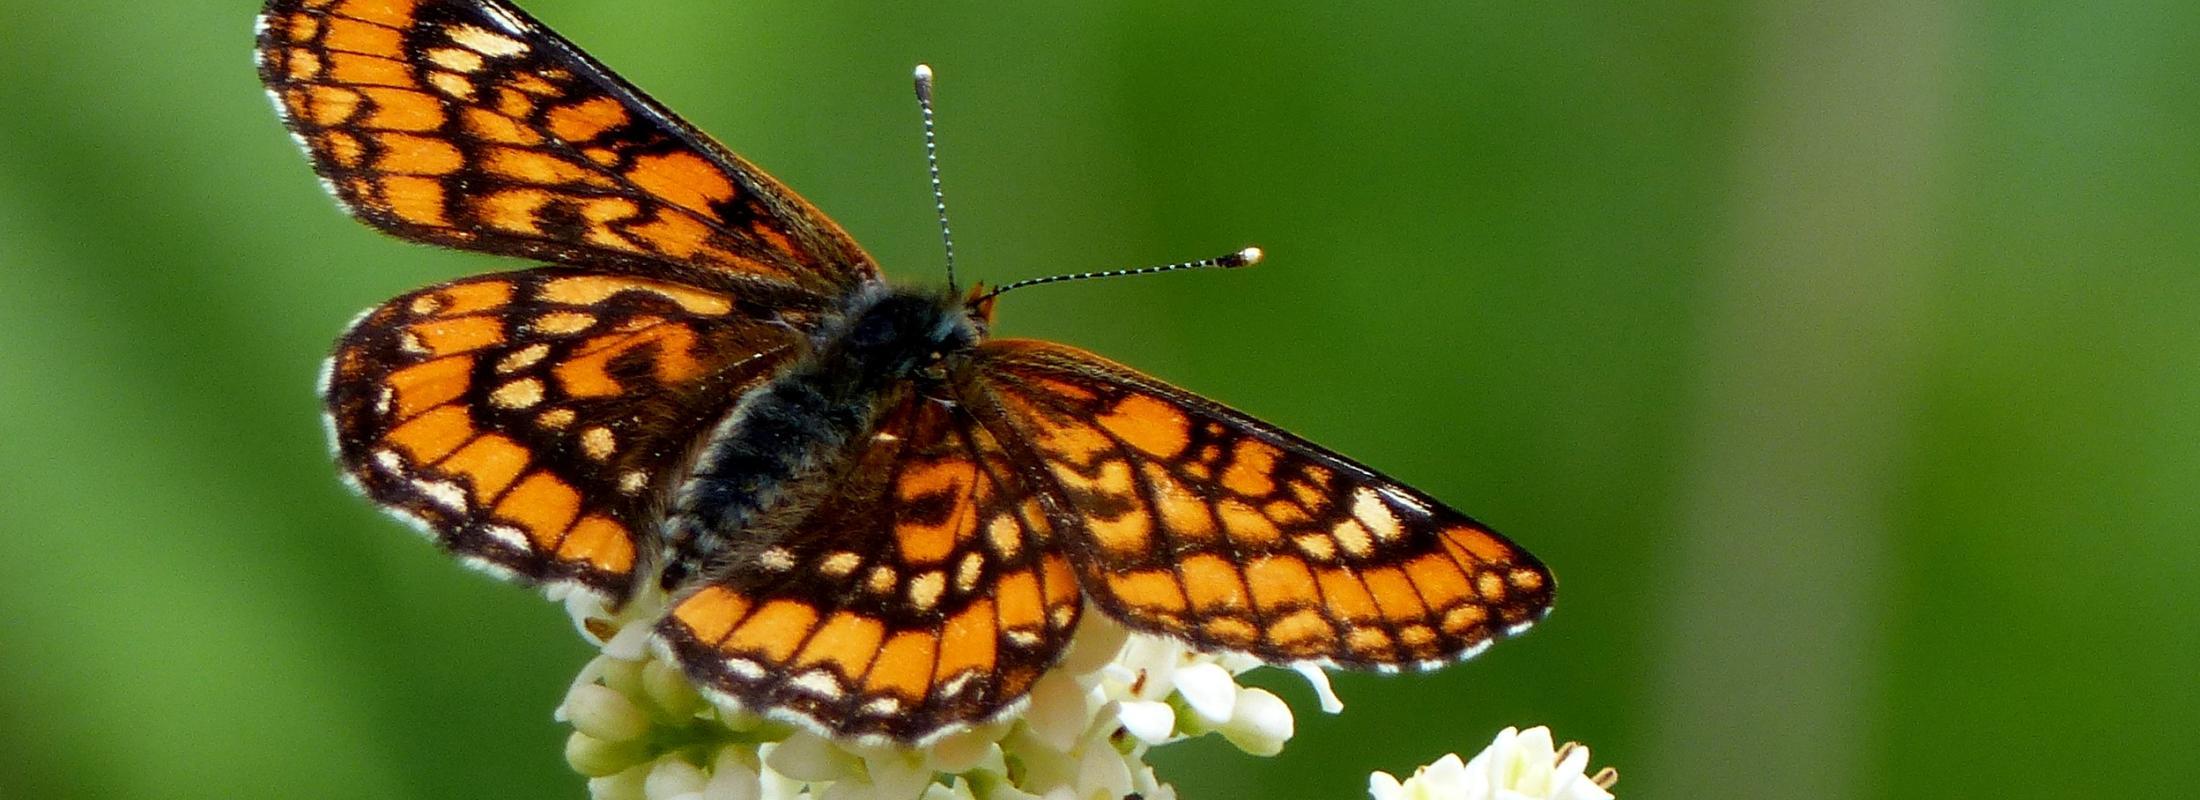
{"x": 1518, "y": 765}
{"x": 641, "y": 731}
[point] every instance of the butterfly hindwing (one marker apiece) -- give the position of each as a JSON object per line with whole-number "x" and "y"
{"x": 467, "y": 124}
{"x": 908, "y": 573}
{"x": 532, "y": 420}
{"x": 1196, "y": 521}
{"x": 923, "y": 593}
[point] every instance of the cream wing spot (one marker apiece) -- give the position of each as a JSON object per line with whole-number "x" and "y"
{"x": 564, "y": 322}
{"x": 818, "y": 682}
{"x": 840, "y": 565}
{"x": 1316, "y": 546}
{"x": 1007, "y": 537}
{"x": 598, "y": 443}
{"x": 925, "y": 589}
{"x": 517, "y": 395}
{"x": 955, "y": 686}
{"x": 1354, "y": 538}
{"x": 443, "y": 493}
{"x": 633, "y": 481}
{"x": 456, "y": 59}
{"x": 556, "y": 418}
{"x": 1372, "y": 512}
{"x": 880, "y": 581}
{"x": 968, "y": 571}
{"x": 487, "y": 42}
{"x": 776, "y": 559}
{"x": 523, "y": 358}
{"x": 452, "y": 85}
{"x": 509, "y": 536}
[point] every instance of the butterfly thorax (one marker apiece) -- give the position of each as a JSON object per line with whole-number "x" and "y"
{"x": 755, "y": 474}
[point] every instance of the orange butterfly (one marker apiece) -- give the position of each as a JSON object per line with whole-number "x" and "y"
{"x": 871, "y": 517}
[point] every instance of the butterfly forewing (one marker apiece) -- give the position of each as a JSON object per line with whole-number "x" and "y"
{"x": 923, "y": 594}
{"x": 531, "y": 420}
{"x": 465, "y": 123}
{"x": 537, "y": 423}
{"x": 1196, "y": 521}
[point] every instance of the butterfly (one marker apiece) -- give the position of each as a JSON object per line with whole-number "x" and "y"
{"x": 869, "y": 516}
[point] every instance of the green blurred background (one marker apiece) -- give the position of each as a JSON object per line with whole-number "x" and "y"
{"x": 1839, "y": 357}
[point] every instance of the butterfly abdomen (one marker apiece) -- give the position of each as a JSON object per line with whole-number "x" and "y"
{"x": 757, "y": 474}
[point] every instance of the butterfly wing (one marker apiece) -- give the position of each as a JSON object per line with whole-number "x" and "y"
{"x": 467, "y": 124}
{"x": 1196, "y": 521}
{"x": 922, "y": 595}
{"x": 531, "y": 421}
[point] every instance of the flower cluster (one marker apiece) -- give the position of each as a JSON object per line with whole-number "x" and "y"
{"x": 1518, "y": 765}
{"x": 641, "y": 730}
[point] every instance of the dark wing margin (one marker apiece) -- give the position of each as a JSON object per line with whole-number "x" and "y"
{"x": 1189, "y": 519}
{"x": 923, "y": 595}
{"x": 531, "y": 422}
{"x": 468, "y": 124}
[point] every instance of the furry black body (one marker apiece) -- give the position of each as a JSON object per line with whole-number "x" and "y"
{"x": 766, "y": 465}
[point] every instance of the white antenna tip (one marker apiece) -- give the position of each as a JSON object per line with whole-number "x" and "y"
{"x": 924, "y": 72}
{"x": 1250, "y": 256}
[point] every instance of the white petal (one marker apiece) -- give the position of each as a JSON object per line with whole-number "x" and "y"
{"x": 582, "y": 607}
{"x": 1447, "y": 778}
{"x": 808, "y": 757}
{"x": 1487, "y": 768}
{"x": 589, "y": 673}
{"x": 1383, "y": 786}
{"x": 1528, "y": 771}
{"x": 1152, "y": 721}
{"x": 1059, "y": 710}
{"x": 1209, "y": 690}
{"x": 1150, "y": 663}
{"x": 623, "y": 786}
{"x": 631, "y": 643}
{"x": 597, "y": 758}
{"x": 851, "y": 789}
{"x": 666, "y": 686}
{"x": 1150, "y": 787}
{"x": 1097, "y": 641}
{"x": 1103, "y": 768}
{"x": 1570, "y": 781}
{"x": 672, "y": 777}
{"x": 1044, "y": 765}
{"x": 732, "y": 778}
{"x": 962, "y": 752}
{"x": 773, "y": 785}
{"x": 1318, "y": 679}
{"x": 1261, "y": 725}
{"x": 596, "y": 710}
{"x": 898, "y": 774}
{"x": 961, "y": 791}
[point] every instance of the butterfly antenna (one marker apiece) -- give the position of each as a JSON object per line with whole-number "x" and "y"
{"x": 932, "y": 160}
{"x": 1242, "y": 258}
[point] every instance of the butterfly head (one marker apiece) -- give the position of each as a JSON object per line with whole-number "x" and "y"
{"x": 906, "y": 334}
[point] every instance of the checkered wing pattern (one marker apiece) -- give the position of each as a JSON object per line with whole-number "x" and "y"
{"x": 1199, "y": 522}
{"x": 925, "y": 592}
{"x": 532, "y": 421}
{"x": 467, "y": 124}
